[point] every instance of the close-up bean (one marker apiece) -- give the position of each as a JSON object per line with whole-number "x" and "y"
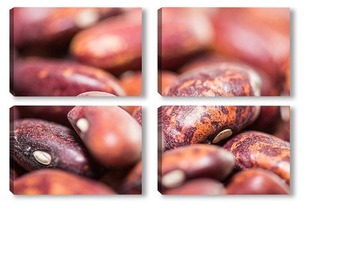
{"x": 114, "y": 144}
{"x": 185, "y": 125}
{"x": 189, "y": 162}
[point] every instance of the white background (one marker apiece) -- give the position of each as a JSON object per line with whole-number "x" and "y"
{"x": 314, "y": 220}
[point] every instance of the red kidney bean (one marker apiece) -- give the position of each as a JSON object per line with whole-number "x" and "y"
{"x": 216, "y": 80}
{"x": 114, "y": 44}
{"x": 57, "y": 182}
{"x": 195, "y": 161}
{"x": 43, "y": 77}
{"x": 199, "y": 186}
{"x": 37, "y": 144}
{"x": 183, "y": 32}
{"x": 256, "y": 181}
{"x": 48, "y": 27}
{"x": 256, "y": 149}
{"x": 254, "y": 41}
{"x": 112, "y": 136}
{"x": 185, "y": 125}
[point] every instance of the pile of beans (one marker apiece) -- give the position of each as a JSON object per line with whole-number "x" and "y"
{"x": 195, "y": 43}
{"x": 99, "y": 152}
{"x": 85, "y": 52}
{"x": 224, "y": 149}
{"x": 68, "y": 51}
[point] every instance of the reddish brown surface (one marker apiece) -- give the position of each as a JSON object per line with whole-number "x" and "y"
{"x": 222, "y": 79}
{"x": 43, "y": 77}
{"x": 182, "y": 32}
{"x": 256, "y": 181}
{"x": 286, "y": 78}
{"x": 185, "y": 125}
{"x": 267, "y": 85}
{"x": 137, "y": 114}
{"x": 131, "y": 82}
{"x": 132, "y": 184}
{"x": 14, "y": 113}
{"x": 65, "y": 149}
{"x": 114, "y": 44}
{"x": 57, "y": 182}
{"x": 255, "y": 149}
{"x": 254, "y": 36}
{"x": 48, "y": 26}
{"x": 200, "y": 186}
{"x": 113, "y": 137}
{"x": 56, "y": 113}
{"x": 198, "y": 161}
{"x": 267, "y": 120}
{"x": 165, "y": 79}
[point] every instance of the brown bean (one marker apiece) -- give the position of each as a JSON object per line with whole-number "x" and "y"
{"x": 57, "y": 113}
{"x": 256, "y": 149}
{"x": 47, "y": 27}
{"x": 254, "y": 42}
{"x": 222, "y": 79}
{"x": 256, "y": 181}
{"x": 112, "y": 136}
{"x": 36, "y": 144}
{"x": 195, "y": 161}
{"x": 43, "y": 77}
{"x": 200, "y": 186}
{"x": 183, "y": 32}
{"x": 114, "y": 44}
{"x": 57, "y": 182}
{"x": 185, "y": 125}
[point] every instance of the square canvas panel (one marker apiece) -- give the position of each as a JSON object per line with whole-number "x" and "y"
{"x": 224, "y": 150}
{"x": 68, "y": 51}
{"x": 223, "y": 52}
{"x": 75, "y": 150}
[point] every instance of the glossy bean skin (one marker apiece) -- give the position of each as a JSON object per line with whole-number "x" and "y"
{"x": 36, "y": 144}
{"x": 195, "y": 161}
{"x": 256, "y": 149}
{"x": 45, "y": 27}
{"x": 114, "y": 44}
{"x": 43, "y": 77}
{"x": 111, "y": 135}
{"x": 183, "y": 33}
{"x": 256, "y": 181}
{"x": 223, "y": 79}
{"x": 185, "y": 125}
{"x": 57, "y": 182}
{"x": 200, "y": 186}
